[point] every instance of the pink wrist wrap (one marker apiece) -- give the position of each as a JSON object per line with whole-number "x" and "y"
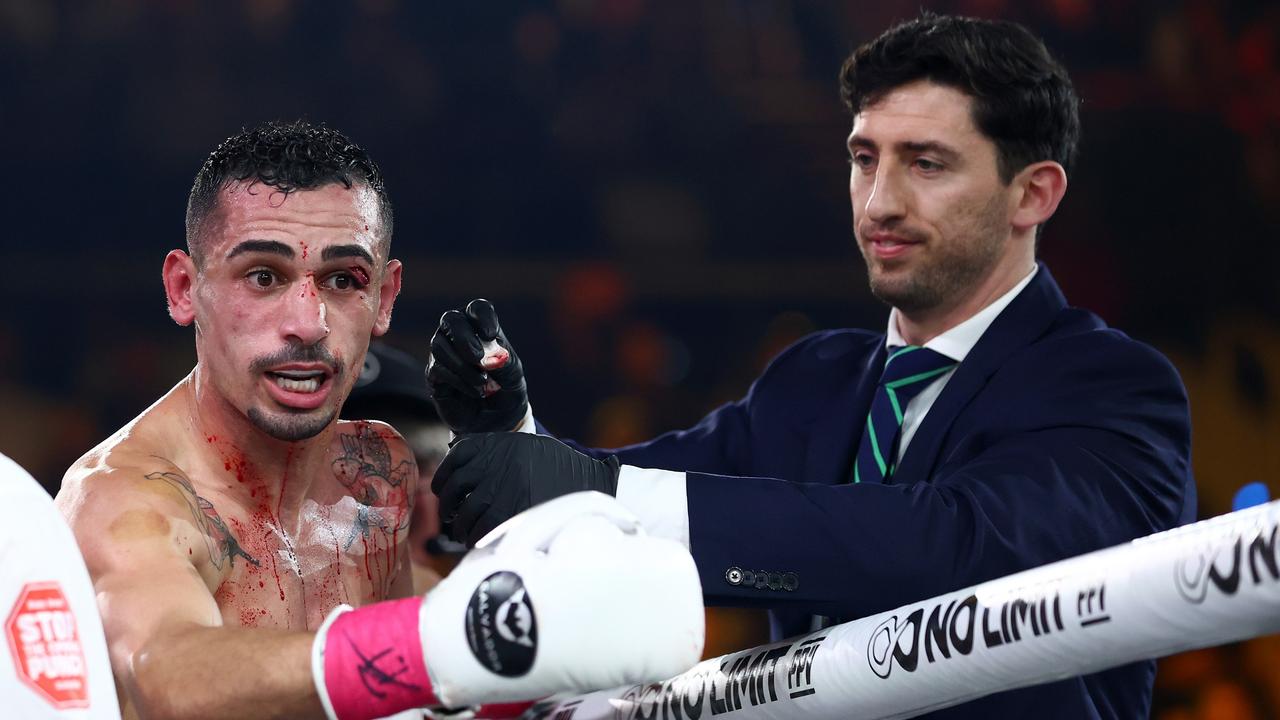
{"x": 373, "y": 664}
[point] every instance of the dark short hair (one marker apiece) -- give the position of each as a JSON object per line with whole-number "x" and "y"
{"x": 1022, "y": 98}
{"x": 287, "y": 156}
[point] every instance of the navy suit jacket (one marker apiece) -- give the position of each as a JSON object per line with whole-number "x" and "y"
{"x": 1056, "y": 436}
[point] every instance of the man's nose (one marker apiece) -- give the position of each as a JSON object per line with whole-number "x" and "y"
{"x": 303, "y": 317}
{"x": 888, "y": 197}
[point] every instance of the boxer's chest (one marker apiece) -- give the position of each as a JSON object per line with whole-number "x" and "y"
{"x": 291, "y": 573}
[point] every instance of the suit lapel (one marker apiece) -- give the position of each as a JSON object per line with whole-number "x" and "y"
{"x": 834, "y": 437}
{"x": 1025, "y": 319}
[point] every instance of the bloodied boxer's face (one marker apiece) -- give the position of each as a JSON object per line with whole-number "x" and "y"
{"x": 285, "y": 293}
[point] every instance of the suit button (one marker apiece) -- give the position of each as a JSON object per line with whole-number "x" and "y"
{"x": 762, "y": 579}
{"x": 775, "y": 581}
{"x": 733, "y": 576}
{"x": 790, "y": 581}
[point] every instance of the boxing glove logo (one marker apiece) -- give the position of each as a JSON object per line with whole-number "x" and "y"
{"x": 515, "y": 620}
{"x": 502, "y": 629}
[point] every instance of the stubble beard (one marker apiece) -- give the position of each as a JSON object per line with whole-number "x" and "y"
{"x": 291, "y": 427}
{"x": 948, "y": 269}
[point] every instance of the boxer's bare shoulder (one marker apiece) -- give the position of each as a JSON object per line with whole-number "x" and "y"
{"x": 130, "y": 502}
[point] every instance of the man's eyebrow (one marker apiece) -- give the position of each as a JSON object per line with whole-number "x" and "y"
{"x": 911, "y": 146}
{"x": 929, "y": 146}
{"x": 858, "y": 141}
{"x": 333, "y": 252}
{"x": 274, "y": 247}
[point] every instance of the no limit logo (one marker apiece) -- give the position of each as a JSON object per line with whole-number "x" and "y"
{"x": 954, "y": 627}
{"x": 746, "y": 679}
{"x": 1222, "y": 566}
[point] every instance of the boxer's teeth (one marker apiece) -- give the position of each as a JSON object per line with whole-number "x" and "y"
{"x": 307, "y": 385}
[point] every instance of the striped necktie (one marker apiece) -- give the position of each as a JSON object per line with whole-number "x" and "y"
{"x": 908, "y": 370}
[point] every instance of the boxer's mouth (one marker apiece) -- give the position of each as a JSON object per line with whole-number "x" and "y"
{"x": 299, "y": 381}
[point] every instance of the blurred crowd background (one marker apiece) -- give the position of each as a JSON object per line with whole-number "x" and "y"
{"x": 652, "y": 193}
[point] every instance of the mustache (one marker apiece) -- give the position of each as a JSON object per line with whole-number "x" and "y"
{"x": 299, "y": 353}
{"x": 910, "y": 235}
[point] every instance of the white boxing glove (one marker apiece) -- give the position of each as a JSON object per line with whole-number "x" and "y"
{"x": 570, "y": 595}
{"x": 567, "y": 596}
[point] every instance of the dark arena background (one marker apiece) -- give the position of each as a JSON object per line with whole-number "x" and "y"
{"x": 652, "y": 193}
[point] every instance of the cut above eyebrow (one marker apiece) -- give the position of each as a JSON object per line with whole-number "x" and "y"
{"x": 274, "y": 247}
{"x": 334, "y": 252}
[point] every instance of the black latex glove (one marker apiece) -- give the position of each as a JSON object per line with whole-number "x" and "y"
{"x": 457, "y": 381}
{"x": 487, "y": 478}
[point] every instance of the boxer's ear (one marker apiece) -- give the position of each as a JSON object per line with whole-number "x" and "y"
{"x": 179, "y": 284}
{"x": 387, "y": 293}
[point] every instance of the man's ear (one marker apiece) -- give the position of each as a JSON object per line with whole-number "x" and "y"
{"x": 387, "y": 293}
{"x": 179, "y": 284}
{"x": 1043, "y": 184}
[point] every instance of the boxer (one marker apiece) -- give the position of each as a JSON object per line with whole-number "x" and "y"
{"x": 233, "y": 526}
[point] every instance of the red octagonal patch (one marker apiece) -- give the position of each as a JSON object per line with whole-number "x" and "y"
{"x": 45, "y": 645}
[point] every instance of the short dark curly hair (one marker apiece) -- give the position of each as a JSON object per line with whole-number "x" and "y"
{"x": 287, "y": 156}
{"x": 1022, "y": 97}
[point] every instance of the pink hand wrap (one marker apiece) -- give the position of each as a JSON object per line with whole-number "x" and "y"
{"x": 373, "y": 664}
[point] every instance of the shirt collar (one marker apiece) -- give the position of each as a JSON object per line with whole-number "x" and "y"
{"x": 959, "y": 340}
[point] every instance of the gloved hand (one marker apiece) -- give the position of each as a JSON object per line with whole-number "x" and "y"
{"x": 485, "y": 479}
{"x": 583, "y": 550}
{"x": 476, "y": 380}
{"x": 508, "y": 622}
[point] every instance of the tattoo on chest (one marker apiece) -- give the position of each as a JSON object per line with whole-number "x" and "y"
{"x": 365, "y": 469}
{"x": 380, "y": 488}
{"x": 222, "y": 545}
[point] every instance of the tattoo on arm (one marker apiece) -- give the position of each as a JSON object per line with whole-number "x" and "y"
{"x": 222, "y": 545}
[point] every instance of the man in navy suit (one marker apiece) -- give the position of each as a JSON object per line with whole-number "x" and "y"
{"x": 991, "y": 428}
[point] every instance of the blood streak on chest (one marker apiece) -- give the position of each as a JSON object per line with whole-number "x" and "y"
{"x": 288, "y": 460}
{"x": 256, "y": 536}
{"x": 319, "y": 556}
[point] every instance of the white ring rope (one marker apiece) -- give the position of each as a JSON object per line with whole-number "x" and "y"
{"x": 1205, "y": 584}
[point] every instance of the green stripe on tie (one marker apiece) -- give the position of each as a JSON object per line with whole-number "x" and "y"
{"x": 893, "y": 400}
{"x": 917, "y": 378}
{"x": 903, "y": 351}
{"x": 899, "y": 384}
{"x": 875, "y": 446}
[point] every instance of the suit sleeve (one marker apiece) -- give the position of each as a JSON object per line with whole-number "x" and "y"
{"x": 1075, "y": 457}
